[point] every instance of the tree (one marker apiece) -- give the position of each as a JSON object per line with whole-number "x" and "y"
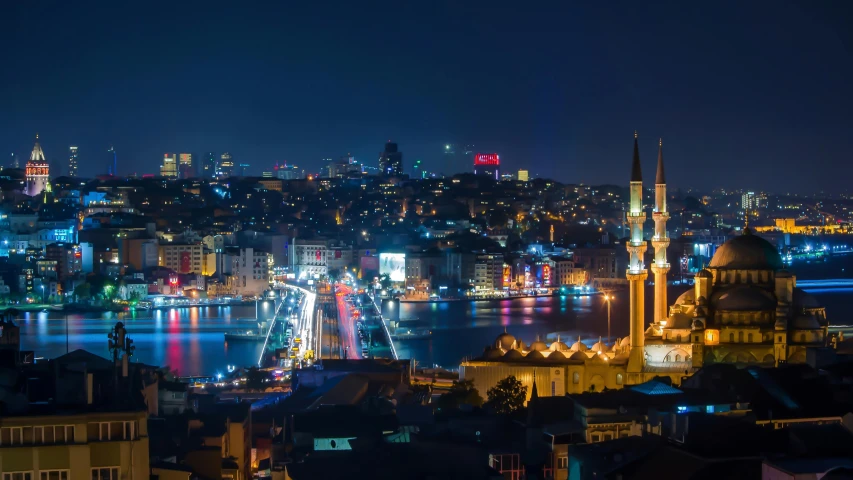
{"x": 462, "y": 392}
{"x": 83, "y": 291}
{"x": 507, "y": 396}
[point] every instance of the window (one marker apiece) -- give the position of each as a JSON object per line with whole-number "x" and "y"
{"x": 54, "y": 474}
{"x": 576, "y": 378}
{"x": 618, "y": 379}
{"x": 105, "y": 473}
{"x": 104, "y": 431}
{"x": 563, "y": 462}
{"x": 681, "y": 409}
{"x": 740, "y": 337}
{"x": 13, "y": 435}
{"x": 18, "y": 476}
{"x": 595, "y": 437}
{"x": 709, "y": 409}
{"x": 749, "y": 338}
{"x": 608, "y": 436}
{"x": 677, "y": 357}
{"x": 731, "y": 337}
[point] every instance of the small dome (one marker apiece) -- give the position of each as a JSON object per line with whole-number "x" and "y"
{"x": 559, "y": 346}
{"x": 492, "y": 353}
{"x": 599, "y": 346}
{"x": 556, "y": 356}
{"x": 579, "y": 356}
{"x": 579, "y": 346}
{"x": 802, "y": 299}
{"x": 505, "y": 341}
{"x": 626, "y": 342}
{"x": 686, "y": 298}
{"x": 747, "y": 252}
{"x": 704, "y": 274}
{"x": 679, "y": 320}
{"x": 519, "y": 345}
{"x": 743, "y": 298}
{"x": 538, "y": 346}
{"x": 535, "y": 355}
{"x": 805, "y": 322}
{"x": 513, "y": 355}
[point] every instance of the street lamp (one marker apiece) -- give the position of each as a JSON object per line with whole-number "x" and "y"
{"x": 608, "y": 298}
{"x": 42, "y": 294}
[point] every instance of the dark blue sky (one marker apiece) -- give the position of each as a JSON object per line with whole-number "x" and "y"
{"x": 745, "y": 94}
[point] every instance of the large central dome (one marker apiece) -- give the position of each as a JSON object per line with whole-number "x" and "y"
{"x": 747, "y": 252}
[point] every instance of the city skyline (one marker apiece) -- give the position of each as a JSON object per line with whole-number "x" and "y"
{"x": 554, "y": 89}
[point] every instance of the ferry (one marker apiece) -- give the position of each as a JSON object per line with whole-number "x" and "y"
{"x": 411, "y": 333}
{"x": 245, "y": 336}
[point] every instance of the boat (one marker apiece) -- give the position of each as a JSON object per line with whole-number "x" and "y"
{"x": 411, "y": 333}
{"x": 245, "y": 336}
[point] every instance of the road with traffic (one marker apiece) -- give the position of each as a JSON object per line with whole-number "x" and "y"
{"x": 350, "y": 342}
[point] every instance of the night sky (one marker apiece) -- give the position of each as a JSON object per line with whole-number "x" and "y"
{"x": 745, "y": 94}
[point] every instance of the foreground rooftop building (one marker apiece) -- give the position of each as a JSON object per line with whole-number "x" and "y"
{"x": 744, "y": 308}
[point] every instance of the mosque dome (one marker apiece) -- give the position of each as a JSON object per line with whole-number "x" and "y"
{"x": 579, "y": 356}
{"x": 802, "y": 299}
{"x": 686, "y": 298}
{"x": 538, "y": 346}
{"x": 556, "y": 356}
{"x": 626, "y": 342}
{"x": 745, "y": 298}
{"x": 513, "y": 355}
{"x": 535, "y": 355}
{"x": 505, "y": 341}
{"x": 519, "y": 345}
{"x": 559, "y": 346}
{"x": 747, "y": 252}
{"x": 599, "y": 346}
{"x": 492, "y": 353}
{"x": 579, "y": 346}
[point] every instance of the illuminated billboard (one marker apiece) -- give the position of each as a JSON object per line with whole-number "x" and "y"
{"x": 393, "y": 264}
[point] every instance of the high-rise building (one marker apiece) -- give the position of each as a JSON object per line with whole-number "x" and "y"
{"x": 169, "y": 168}
{"x": 15, "y": 163}
{"x": 418, "y": 170}
{"x": 207, "y": 167}
{"x": 112, "y": 167}
{"x": 244, "y": 169}
{"x": 289, "y": 172}
{"x": 185, "y": 165}
{"x": 38, "y": 171}
{"x": 523, "y": 175}
{"x": 488, "y": 164}
{"x": 72, "y": 161}
{"x": 751, "y": 201}
{"x": 391, "y": 160}
{"x": 226, "y": 166}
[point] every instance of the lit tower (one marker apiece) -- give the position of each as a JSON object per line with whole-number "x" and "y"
{"x": 72, "y": 161}
{"x": 636, "y": 270}
{"x": 661, "y": 240}
{"x": 38, "y": 171}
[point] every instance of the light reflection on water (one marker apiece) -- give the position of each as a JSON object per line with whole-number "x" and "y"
{"x": 190, "y": 340}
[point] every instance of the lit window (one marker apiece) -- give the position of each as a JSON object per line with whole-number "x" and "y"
{"x": 681, "y": 409}
{"x": 709, "y": 409}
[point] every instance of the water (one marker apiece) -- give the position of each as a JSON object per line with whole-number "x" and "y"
{"x": 191, "y": 340}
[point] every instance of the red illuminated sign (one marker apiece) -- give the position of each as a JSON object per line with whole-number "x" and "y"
{"x": 487, "y": 159}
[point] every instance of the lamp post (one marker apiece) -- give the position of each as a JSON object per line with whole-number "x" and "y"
{"x": 607, "y": 298}
{"x": 42, "y": 295}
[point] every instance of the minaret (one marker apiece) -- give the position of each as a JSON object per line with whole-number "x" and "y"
{"x": 660, "y": 241}
{"x": 636, "y": 270}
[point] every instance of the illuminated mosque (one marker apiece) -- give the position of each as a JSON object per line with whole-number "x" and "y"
{"x": 743, "y": 309}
